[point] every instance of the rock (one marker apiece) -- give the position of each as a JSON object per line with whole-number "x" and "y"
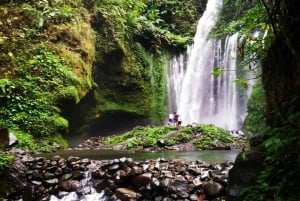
{"x": 121, "y": 179}
{"x": 13, "y": 179}
{"x": 197, "y": 181}
{"x": 4, "y": 138}
{"x": 137, "y": 170}
{"x": 120, "y": 146}
{"x": 126, "y": 194}
{"x": 12, "y": 140}
{"x": 52, "y": 181}
{"x": 213, "y": 189}
{"x": 142, "y": 180}
{"x": 244, "y": 173}
{"x": 27, "y": 195}
{"x": 69, "y": 185}
{"x": 77, "y": 175}
{"x": 112, "y": 169}
{"x": 66, "y": 176}
{"x": 161, "y": 142}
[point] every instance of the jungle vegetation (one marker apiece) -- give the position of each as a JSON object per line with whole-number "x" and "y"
{"x": 55, "y": 53}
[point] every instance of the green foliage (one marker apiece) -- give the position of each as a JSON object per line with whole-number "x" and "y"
{"x": 242, "y": 82}
{"x": 47, "y": 144}
{"x": 179, "y": 137}
{"x": 29, "y": 102}
{"x": 159, "y": 89}
{"x": 148, "y": 136}
{"x": 25, "y": 141}
{"x": 155, "y": 22}
{"x": 211, "y": 133}
{"x": 279, "y": 180}
{"x": 256, "y": 110}
{"x": 217, "y": 71}
{"x": 141, "y": 136}
{"x": 5, "y": 160}
{"x": 251, "y": 21}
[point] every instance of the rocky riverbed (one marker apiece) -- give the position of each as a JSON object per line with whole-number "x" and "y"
{"x": 74, "y": 178}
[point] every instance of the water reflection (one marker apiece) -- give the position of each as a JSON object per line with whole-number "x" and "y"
{"x": 210, "y": 156}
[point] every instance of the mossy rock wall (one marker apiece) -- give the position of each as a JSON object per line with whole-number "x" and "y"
{"x": 68, "y": 66}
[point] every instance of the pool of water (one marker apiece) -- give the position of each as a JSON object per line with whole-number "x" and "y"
{"x": 209, "y": 156}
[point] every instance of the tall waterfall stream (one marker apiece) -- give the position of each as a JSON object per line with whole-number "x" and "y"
{"x": 197, "y": 95}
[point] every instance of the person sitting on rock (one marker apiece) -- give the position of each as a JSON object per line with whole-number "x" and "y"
{"x": 179, "y": 121}
{"x": 171, "y": 119}
{"x": 176, "y": 118}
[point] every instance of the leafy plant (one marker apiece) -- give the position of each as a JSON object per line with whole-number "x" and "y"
{"x": 211, "y": 133}
{"x": 279, "y": 179}
{"x": 5, "y": 160}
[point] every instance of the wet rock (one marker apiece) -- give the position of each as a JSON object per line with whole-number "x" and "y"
{"x": 66, "y": 176}
{"x": 126, "y": 194}
{"x": 244, "y": 173}
{"x": 113, "y": 169}
{"x": 125, "y": 179}
{"x": 69, "y": 185}
{"x": 142, "y": 180}
{"x": 213, "y": 189}
{"x": 100, "y": 185}
{"x": 77, "y": 174}
{"x": 52, "y": 181}
{"x": 48, "y": 175}
{"x": 137, "y": 170}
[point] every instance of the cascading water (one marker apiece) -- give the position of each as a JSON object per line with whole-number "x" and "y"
{"x": 196, "y": 94}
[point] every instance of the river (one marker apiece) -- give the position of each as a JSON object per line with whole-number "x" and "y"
{"x": 209, "y": 156}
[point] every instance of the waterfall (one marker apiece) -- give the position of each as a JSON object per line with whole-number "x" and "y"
{"x": 196, "y": 94}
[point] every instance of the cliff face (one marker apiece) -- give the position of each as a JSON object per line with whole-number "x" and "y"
{"x": 46, "y": 56}
{"x": 77, "y": 66}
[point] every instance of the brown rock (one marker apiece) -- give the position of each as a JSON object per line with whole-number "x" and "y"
{"x": 142, "y": 180}
{"x": 69, "y": 185}
{"x": 126, "y": 194}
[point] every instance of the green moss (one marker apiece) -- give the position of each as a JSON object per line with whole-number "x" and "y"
{"x": 148, "y": 136}
{"x": 210, "y": 134}
{"x": 25, "y": 141}
{"x": 140, "y": 136}
{"x": 256, "y": 111}
{"x": 49, "y": 49}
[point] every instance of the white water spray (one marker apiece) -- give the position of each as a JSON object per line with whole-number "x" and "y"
{"x": 193, "y": 91}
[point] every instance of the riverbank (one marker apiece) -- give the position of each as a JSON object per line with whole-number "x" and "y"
{"x": 58, "y": 178}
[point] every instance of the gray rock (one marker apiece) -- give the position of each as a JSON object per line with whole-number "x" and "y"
{"x": 213, "y": 189}
{"x": 12, "y": 140}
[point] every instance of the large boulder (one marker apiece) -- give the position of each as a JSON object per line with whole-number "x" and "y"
{"x": 246, "y": 168}
{"x": 13, "y": 180}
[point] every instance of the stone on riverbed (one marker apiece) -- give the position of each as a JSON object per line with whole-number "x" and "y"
{"x": 123, "y": 178}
